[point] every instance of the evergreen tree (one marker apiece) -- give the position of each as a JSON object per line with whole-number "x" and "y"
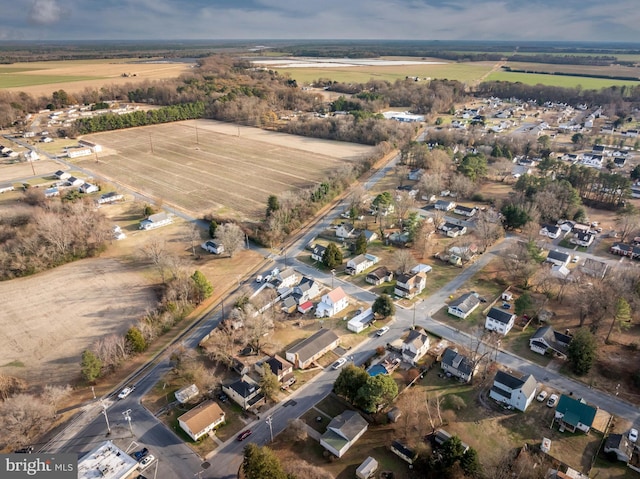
{"x": 384, "y": 306}
{"x": 361, "y": 244}
{"x": 269, "y": 383}
{"x": 135, "y": 340}
{"x": 582, "y": 351}
{"x": 213, "y": 226}
{"x": 349, "y": 382}
{"x": 91, "y": 366}
{"x": 332, "y": 256}
{"x": 202, "y": 285}
{"x": 261, "y": 463}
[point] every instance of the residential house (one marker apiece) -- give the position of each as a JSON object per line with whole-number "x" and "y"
{"x": 370, "y": 235}
{"x": 332, "y": 303}
{"x": 289, "y": 305}
{"x": 73, "y": 181}
{"x": 548, "y": 339}
{"x": 464, "y": 305}
{"x": 457, "y": 364}
{"x": 465, "y": 210}
{"x": 88, "y": 188}
{"x": 560, "y": 271}
{"x": 342, "y": 432}
{"x": 345, "y": 230}
{"x": 441, "y": 436}
{"x": 575, "y": 414}
{"x": 558, "y": 258}
{"x": 500, "y": 321}
{"x": 360, "y": 263}
{"x": 582, "y": 239}
{"x": 6, "y": 187}
{"x": 513, "y": 391}
{"x": 187, "y": 393}
{"x": 367, "y": 469}
{"x": 245, "y": 392}
{"x": 619, "y": 161}
{"x": 620, "y": 445}
{"x": 444, "y": 205}
{"x": 317, "y": 252}
{"x": 410, "y": 285}
{"x": 51, "y": 192}
{"x": 305, "y": 307}
{"x": 306, "y": 290}
{"x": 379, "y": 275}
{"x": 308, "y": 350}
{"x": 519, "y": 170}
{"x": 622, "y": 249}
{"x": 403, "y": 452}
{"x": 213, "y": 247}
{"x": 415, "y": 346}
{"x": 156, "y": 221}
{"x": 452, "y": 230}
{"x": 287, "y": 278}
{"x": 279, "y": 366}
{"x": 552, "y": 231}
{"x": 594, "y": 268}
{"x": 110, "y": 197}
{"x": 360, "y": 321}
{"x": 421, "y": 268}
{"x": 201, "y": 419}
{"x": 415, "y": 174}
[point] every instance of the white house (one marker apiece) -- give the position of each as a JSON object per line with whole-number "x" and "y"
{"x": 452, "y": 230}
{"x": 156, "y": 221}
{"x": 464, "y": 305}
{"x": 513, "y": 391}
{"x": 574, "y": 414}
{"x": 62, "y": 175}
{"x": 317, "y": 252}
{"x": 111, "y": 197}
{"x": 360, "y": 263}
{"x": 88, "y": 188}
{"x": 465, "y": 210}
{"x": 367, "y": 469}
{"x": 201, "y": 419}
{"x": 558, "y": 258}
{"x": 213, "y": 247}
{"x": 287, "y": 278}
{"x": 582, "y": 239}
{"x": 6, "y": 187}
{"x": 306, "y": 290}
{"x": 415, "y": 346}
{"x": 552, "y": 231}
{"x": 547, "y": 339}
{"x": 73, "y": 181}
{"x": 342, "y": 432}
{"x": 444, "y": 205}
{"x": 499, "y": 321}
{"x": 332, "y": 303}
{"x": 410, "y": 285}
{"x": 361, "y": 321}
{"x": 345, "y": 230}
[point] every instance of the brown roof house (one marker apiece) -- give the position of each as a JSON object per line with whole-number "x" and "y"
{"x": 303, "y": 354}
{"x": 201, "y": 419}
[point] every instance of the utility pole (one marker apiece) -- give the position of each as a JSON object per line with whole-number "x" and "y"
{"x": 106, "y": 418}
{"x": 333, "y": 275}
{"x": 127, "y": 417}
{"x": 270, "y": 424}
{"x": 93, "y": 391}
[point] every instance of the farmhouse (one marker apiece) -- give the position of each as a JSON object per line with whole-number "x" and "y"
{"x": 547, "y": 339}
{"x": 513, "y": 391}
{"x": 360, "y": 263}
{"x": 245, "y": 392}
{"x": 410, "y": 285}
{"x": 379, "y": 275}
{"x": 464, "y": 305}
{"x": 499, "y": 321}
{"x": 457, "y": 364}
{"x": 308, "y": 350}
{"x": 342, "y": 432}
{"x": 332, "y": 303}
{"x": 415, "y": 346}
{"x": 156, "y": 221}
{"x": 574, "y": 414}
{"x": 201, "y": 419}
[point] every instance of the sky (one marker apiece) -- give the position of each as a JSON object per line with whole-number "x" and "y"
{"x": 534, "y": 20}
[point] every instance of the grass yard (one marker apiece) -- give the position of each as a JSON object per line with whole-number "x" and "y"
{"x": 230, "y": 171}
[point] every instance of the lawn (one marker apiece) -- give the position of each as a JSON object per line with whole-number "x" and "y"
{"x": 564, "y": 81}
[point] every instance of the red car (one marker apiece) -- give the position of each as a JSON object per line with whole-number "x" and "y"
{"x": 244, "y": 434}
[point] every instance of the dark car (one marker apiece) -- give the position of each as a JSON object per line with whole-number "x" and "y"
{"x": 223, "y": 397}
{"x": 139, "y": 455}
{"x": 24, "y": 450}
{"x": 244, "y": 434}
{"x": 248, "y": 351}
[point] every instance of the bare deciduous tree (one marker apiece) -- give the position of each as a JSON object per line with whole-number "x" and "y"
{"x": 232, "y": 237}
{"x": 155, "y": 250}
{"x": 10, "y": 385}
{"x": 54, "y": 395}
{"x": 403, "y": 260}
{"x": 296, "y": 430}
{"x": 488, "y": 228}
{"x": 23, "y": 418}
{"x": 404, "y": 202}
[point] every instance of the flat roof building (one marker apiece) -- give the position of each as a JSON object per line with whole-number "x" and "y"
{"x": 107, "y": 461}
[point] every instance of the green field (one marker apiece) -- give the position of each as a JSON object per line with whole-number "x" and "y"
{"x": 464, "y": 72}
{"x": 11, "y": 80}
{"x": 558, "y": 80}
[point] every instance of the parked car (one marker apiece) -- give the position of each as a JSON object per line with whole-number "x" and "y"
{"x": 125, "y": 392}
{"x": 223, "y": 397}
{"x": 139, "y": 455}
{"x": 575, "y": 259}
{"x": 244, "y": 434}
{"x": 382, "y": 331}
{"x": 146, "y": 462}
{"x": 339, "y": 363}
{"x": 542, "y": 396}
{"x": 553, "y": 399}
{"x": 633, "y": 434}
{"x": 24, "y": 450}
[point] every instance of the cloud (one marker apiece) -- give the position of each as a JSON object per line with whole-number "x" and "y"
{"x": 45, "y": 12}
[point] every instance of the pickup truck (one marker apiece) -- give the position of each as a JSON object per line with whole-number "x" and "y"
{"x": 139, "y": 455}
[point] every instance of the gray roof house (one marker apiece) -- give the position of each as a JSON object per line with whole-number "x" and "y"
{"x": 317, "y": 252}
{"x": 558, "y": 258}
{"x": 342, "y": 432}
{"x": 499, "y": 321}
{"x": 379, "y": 275}
{"x": 308, "y": 350}
{"x": 415, "y": 346}
{"x": 620, "y": 445}
{"x": 464, "y": 305}
{"x": 245, "y": 392}
{"x": 306, "y": 290}
{"x": 457, "y": 364}
{"x": 513, "y": 391}
{"x": 546, "y": 338}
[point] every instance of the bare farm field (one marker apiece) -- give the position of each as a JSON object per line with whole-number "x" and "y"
{"x": 50, "y": 318}
{"x": 205, "y": 166}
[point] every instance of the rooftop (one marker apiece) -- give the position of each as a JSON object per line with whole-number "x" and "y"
{"x": 106, "y": 461}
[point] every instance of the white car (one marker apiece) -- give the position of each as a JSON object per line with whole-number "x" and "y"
{"x": 633, "y": 434}
{"x": 553, "y": 399}
{"x": 125, "y": 392}
{"x": 339, "y": 363}
{"x": 575, "y": 259}
{"x": 542, "y": 396}
{"x": 146, "y": 462}
{"x": 382, "y": 331}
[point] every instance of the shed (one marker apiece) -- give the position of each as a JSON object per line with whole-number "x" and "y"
{"x": 367, "y": 469}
